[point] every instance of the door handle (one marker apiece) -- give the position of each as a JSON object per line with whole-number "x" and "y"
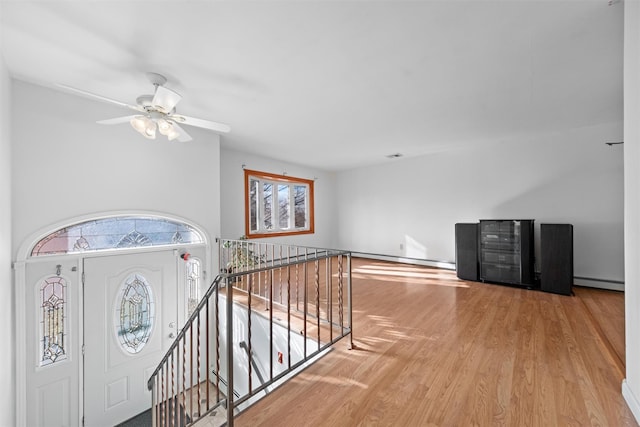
{"x": 172, "y": 335}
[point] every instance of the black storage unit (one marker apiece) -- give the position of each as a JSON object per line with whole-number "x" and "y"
{"x": 467, "y": 251}
{"x": 556, "y": 258}
{"x": 507, "y": 252}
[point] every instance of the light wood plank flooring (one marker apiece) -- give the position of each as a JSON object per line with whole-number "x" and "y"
{"x": 432, "y": 350}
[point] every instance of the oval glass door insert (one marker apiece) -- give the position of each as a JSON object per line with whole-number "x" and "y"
{"x": 134, "y": 313}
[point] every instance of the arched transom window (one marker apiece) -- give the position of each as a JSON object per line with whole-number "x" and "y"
{"x": 116, "y": 232}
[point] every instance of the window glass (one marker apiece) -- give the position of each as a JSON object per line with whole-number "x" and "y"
{"x": 253, "y": 204}
{"x": 283, "y": 206}
{"x": 300, "y": 203}
{"x": 133, "y": 315}
{"x": 194, "y": 275}
{"x": 53, "y": 303}
{"x": 267, "y": 195}
{"x": 117, "y": 232}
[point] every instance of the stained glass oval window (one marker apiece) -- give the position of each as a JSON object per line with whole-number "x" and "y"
{"x": 117, "y": 233}
{"x": 134, "y": 313}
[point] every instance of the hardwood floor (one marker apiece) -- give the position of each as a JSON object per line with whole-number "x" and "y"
{"x": 607, "y": 310}
{"x": 433, "y": 350}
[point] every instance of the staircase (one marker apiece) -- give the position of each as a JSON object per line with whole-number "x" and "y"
{"x": 273, "y": 310}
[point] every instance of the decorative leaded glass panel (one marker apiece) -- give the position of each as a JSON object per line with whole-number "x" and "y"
{"x": 194, "y": 275}
{"x": 134, "y": 240}
{"x": 117, "y": 232}
{"x": 52, "y": 320}
{"x": 134, "y": 313}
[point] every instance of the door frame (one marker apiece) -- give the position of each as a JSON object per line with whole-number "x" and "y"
{"x": 24, "y": 258}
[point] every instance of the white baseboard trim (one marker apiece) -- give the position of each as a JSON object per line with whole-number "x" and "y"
{"x": 416, "y": 261}
{"x": 631, "y": 400}
{"x": 600, "y": 284}
{"x": 611, "y": 285}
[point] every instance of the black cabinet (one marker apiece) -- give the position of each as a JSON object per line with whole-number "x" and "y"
{"x": 507, "y": 252}
{"x": 467, "y": 251}
{"x": 556, "y": 258}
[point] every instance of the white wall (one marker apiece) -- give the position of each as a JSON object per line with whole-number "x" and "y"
{"x": 283, "y": 342}
{"x": 564, "y": 177}
{"x": 7, "y": 315}
{"x": 631, "y": 385}
{"x": 232, "y": 194}
{"x": 65, "y": 165}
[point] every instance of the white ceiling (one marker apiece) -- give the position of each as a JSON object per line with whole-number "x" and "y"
{"x": 337, "y": 84}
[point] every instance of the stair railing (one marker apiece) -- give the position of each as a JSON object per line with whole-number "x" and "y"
{"x": 176, "y": 384}
{"x": 280, "y": 308}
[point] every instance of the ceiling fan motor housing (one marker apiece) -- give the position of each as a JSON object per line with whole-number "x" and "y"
{"x": 144, "y": 101}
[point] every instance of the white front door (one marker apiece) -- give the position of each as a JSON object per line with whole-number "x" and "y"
{"x": 130, "y": 315}
{"x": 52, "y": 342}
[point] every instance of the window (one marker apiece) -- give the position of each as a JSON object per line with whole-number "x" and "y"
{"x": 116, "y": 233}
{"x": 52, "y": 302}
{"x": 134, "y": 313}
{"x": 193, "y": 276}
{"x": 277, "y": 205}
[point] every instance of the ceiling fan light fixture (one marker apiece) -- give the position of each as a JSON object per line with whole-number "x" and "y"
{"x": 150, "y": 130}
{"x": 173, "y": 134}
{"x": 167, "y": 129}
{"x": 145, "y": 126}
{"x": 164, "y": 126}
{"x": 138, "y": 123}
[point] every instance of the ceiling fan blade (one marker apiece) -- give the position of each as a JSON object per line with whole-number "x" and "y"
{"x": 218, "y": 127}
{"x": 101, "y": 98}
{"x": 183, "y": 136}
{"x": 165, "y": 99}
{"x": 117, "y": 120}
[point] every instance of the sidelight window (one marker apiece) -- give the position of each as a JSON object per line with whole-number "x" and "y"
{"x": 194, "y": 276}
{"x": 53, "y": 320}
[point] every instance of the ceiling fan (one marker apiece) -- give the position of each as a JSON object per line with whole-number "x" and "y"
{"x": 156, "y": 113}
